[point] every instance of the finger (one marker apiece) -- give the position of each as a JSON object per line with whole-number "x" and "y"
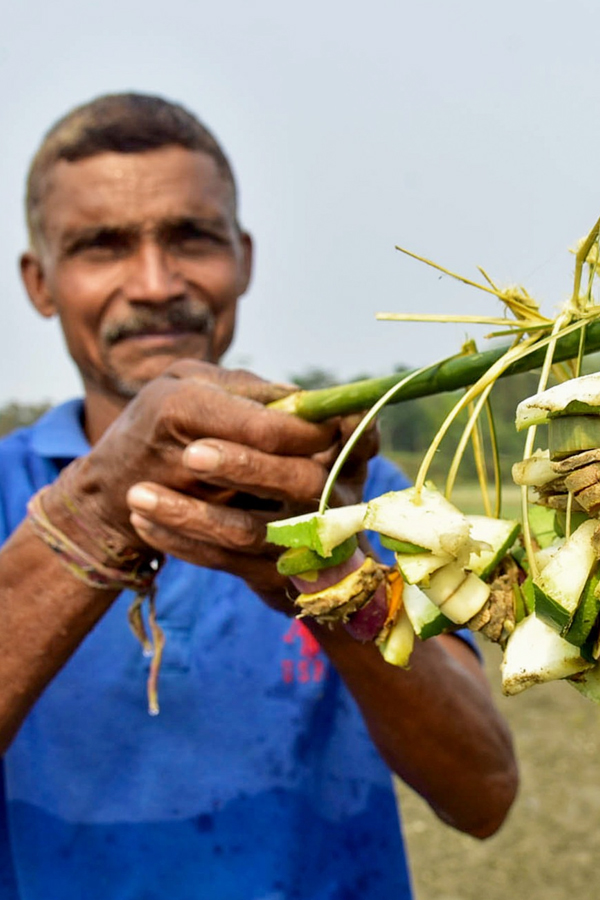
{"x": 234, "y": 381}
{"x": 365, "y": 447}
{"x": 191, "y": 519}
{"x": 369, "y": 441}
{"x": 194, "y": 410}
{"x": 246, "y": 384}
{"x": 300, "y": 479}
{"x": 258, "y": 572}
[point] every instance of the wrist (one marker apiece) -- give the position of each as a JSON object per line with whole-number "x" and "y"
{"x": 98, "y": 567}
{"x": 77, "y": 504}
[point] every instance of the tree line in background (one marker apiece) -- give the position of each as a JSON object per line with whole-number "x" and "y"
{"x": 407, "y": 428}
{"x": 17, "y": 415}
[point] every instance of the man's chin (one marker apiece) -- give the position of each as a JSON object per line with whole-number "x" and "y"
{"x": 127, "y": 384}
{"x": 128, "y": 376}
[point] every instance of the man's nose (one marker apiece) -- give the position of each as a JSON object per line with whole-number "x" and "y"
{"x": 153, "y": 277}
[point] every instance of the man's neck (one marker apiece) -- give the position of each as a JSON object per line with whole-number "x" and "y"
{"x": 100, "y": 412}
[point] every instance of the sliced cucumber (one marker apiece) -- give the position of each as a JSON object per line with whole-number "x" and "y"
{"x": 586, "y": 613}
{"x": 426, "y": 519}
{"x": 545, "y": 554}
{"x": 467, "y": 599}
{"x": 560, "y": 521}
{"x": 318, "y": 532}
{"x": 534, "y": 654}
{"x": 299, "y": 560}
{"x": 425, "y": 617}
{"x": 542, "y": 522}
{"x": 444, "y": 582}
{"x": 588, "y": 683}
{"x": 528, "y": 596}
{"x": 417, "y": 567}
{"x": 400, "y": 546}
{"x": 520, "y": 608}
{"x": 458, "y": 595}
{"x": 573, "y": 434}
{"x": 398, "y": 646}
{"x": 573, "y": 397}
{"x": 559, "y": 586}
{"x": 499, "y": 535}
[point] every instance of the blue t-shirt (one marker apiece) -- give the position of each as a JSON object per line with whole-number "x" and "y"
{"x": 257, "y": 781}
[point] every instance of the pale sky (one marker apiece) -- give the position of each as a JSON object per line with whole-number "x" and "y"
{"x": 468, "y": 132}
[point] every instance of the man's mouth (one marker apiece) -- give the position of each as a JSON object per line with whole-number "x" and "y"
{"x": 157, "y": 334}
{"x": 168, "y": 323}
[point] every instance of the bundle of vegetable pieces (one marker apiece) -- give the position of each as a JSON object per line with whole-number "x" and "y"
{"x": 449, "y": 569}
{"x": 531, "y": 586}
{"x": 563, "y": 585}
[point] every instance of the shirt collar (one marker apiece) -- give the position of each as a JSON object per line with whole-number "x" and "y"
{"x": 59, "y": 433}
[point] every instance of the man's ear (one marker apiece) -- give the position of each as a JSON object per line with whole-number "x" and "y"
{"x": 34, "y": 279}
{"x": 246, "y": 262}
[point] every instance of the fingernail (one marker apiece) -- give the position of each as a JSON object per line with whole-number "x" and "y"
{"x": 202, "y": 457}
{"x": 142, "y": 498}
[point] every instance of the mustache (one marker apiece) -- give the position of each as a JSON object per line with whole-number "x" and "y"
{"x": 182, "y": 316}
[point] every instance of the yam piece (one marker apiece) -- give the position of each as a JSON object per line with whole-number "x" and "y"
{"x": 589, "y": 499}
{"x": 583, "y": 478}
{"x": 576, "y": 461}
{"x": 560, "y": 501}
{"x": 558, "y": 486}
{"x": 341, "y": 600}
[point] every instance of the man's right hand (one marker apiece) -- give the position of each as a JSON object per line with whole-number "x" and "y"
{"x": 211, "y": 465}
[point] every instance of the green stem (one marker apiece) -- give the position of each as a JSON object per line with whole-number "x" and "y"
{"x": 581, "y": 257}
{"x": 358, "y": 431}
{"x": 449, "y": 375}
{"x": 495, "y": 458}
{"x": 550, "y": 354}
{"x": 474, "y": 413}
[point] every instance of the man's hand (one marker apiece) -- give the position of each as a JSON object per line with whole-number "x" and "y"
{"x": 196, "y": 465}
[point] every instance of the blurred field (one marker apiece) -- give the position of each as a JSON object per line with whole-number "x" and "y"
{"x": 549, "y": 847}
{"x": 468, "y": 499}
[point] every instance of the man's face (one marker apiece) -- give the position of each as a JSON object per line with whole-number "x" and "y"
{"x": 142, "y": 260}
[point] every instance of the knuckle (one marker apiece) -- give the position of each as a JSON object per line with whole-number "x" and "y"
{"x": 174, "y": 414}
{"x": 304, "y": 480}
{"x": 243, "y": 460}
{"x": 266, "y": 434}
{"x": 190, "y": 368}
{"x": 250, "y": 541}
{"x": 176, "y": 511}
{"x": 240, "y": 375}
{"x": 240, "y": 531}
{"x": 245, "y": 541}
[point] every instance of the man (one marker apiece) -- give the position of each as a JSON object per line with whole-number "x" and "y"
{"x": 259, "y": 778}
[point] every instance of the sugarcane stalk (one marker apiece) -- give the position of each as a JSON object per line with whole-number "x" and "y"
{"x": 451, "y": 374}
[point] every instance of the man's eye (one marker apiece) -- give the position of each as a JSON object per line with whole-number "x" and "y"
{"x": 191, "y": 239}
{"x": 101, "y": 246}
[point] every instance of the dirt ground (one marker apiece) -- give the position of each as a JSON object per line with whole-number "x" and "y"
{"x": 550, "y": 846}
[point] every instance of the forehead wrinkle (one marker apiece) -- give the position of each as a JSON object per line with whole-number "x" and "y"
{"x": 85, "y": 200}
{"x": 110, "y": 220}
